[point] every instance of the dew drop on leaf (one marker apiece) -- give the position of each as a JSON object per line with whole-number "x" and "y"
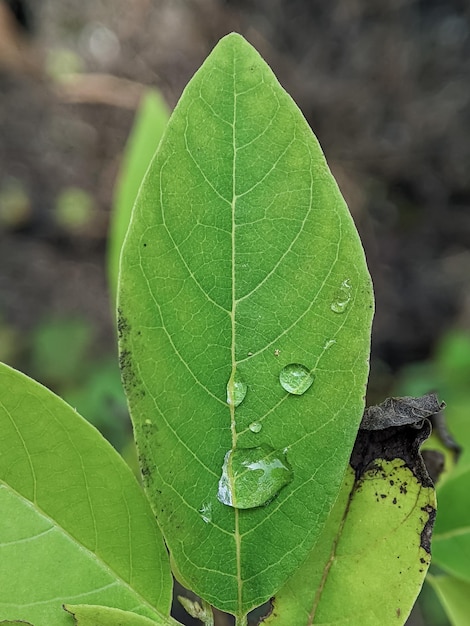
{"x": 296, "y": 378}
{"x": 236, "y": 390}
{"x": 252, "y": 477}
{"x": 342, "y": 297}
{"x": 255, "y": 427}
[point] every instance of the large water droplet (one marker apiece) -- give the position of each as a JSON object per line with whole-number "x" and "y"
{"x": 342, "y": 297}
{"x": 296, "y": 378}
{"x": 255, "y": 427}
{"x": 236, "y": 390}
{"x": 252, "y": 477}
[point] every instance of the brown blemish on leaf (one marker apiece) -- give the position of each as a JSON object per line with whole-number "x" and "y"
{"x": 426, "y": 533}
{"x": 396, "y": 430}
{"x": 122, "y": 324}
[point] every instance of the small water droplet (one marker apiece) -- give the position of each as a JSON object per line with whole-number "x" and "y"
{"x": 206, "y": 512}
{"x": 329, "y": 343}
{"x": 342, "y": 297}
{"x": 296, "y": 378}
{"x": 236, "y": 390}
{"x": 255, "y": 427}
{"x": 252, "y": 477}
{"x": 148, "y": 422}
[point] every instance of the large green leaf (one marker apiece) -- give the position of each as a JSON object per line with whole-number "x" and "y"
{"x": 241, "y": 259}
{"x": 451, "y": 541}
{"x": 75, "y": 525}
{"x": 147, "y": 131}
{"x": 370, "y": 562}
{"x": 455, "y": 597}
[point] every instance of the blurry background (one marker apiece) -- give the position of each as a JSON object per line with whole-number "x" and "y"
{"x": 384, "y": 85}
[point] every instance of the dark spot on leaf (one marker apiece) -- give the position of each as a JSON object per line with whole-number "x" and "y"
{"x": 398, "y": 612}
{"x": 145, "y": 245}
{"x": 392, "y": 482}
{"x": 423, "y": 561}
{"x": 427, "y": 530}
{"x": 122, "y": 324}
{"x": 383, "y": 436}
{"x": 395, "y": 430}
{"x": 127, "y": 371}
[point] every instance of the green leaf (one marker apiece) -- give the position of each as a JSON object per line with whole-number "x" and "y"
{"x": 455, "y": 597}
{"x": 89, "y": 615}
{"x": 239, "y": 251}
{"x": 147, "y": 131}
{"x": 451, "y": 540}
{"x": 371, "y": 559}
{"x": 75, "y": 524}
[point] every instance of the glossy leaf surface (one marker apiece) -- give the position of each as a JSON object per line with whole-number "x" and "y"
{"x": 75, "y": 524}
{"x": 239, "y": 244}
{"x": 149, "y": 124}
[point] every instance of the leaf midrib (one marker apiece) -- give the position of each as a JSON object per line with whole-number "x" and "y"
{"x": 233, "y": 329}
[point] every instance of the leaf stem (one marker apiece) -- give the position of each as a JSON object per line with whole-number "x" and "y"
{"x": 241, "y": 620}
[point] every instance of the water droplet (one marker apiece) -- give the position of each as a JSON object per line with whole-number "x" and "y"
{"x": 342, "y": 297}
{"x": 329, "y": 343}
{"x": 236, "y": 390}
{"x": 255, "y": 427}
{"x": 252, "y": 477}
{"x": 206, "y": 512}
{"x": 296, "y": 378}
{"x": 148, "y": 422}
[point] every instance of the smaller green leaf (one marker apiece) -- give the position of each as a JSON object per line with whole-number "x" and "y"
{"x": 90, "y": 615}
{"x": 455, "y": 597}
{"x": 451, "y": 540}
{"x": 375, "y": 544}
{"x": 147, "y": 131}
{"x": 75, "y": 524}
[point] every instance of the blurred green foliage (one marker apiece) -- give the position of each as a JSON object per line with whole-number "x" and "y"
{"x": 62, "y": 357}
{"x": 74, "y": 210}
{"x": 448, "y": 373}
{"x": 148, "y": 128}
